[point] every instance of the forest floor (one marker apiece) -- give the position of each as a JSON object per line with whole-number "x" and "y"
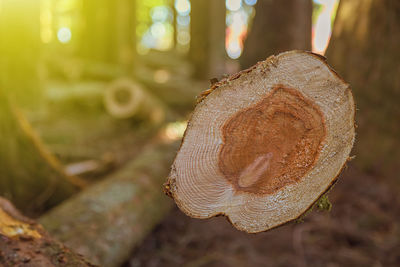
{"x": 362, "y": 229}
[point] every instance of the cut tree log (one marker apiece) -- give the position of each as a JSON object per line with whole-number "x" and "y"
{"x": 265, "y": 144}
{"x": 25, "y": 243}
{"x": 124, "y": 98}
{"x": 107, "y": 220}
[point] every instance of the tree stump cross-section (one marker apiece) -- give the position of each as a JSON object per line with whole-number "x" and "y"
{"x": 262, "y": 146}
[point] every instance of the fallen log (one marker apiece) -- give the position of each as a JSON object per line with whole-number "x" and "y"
{"x": 31, "y": 176}
{"x": 107, "y": 220}
{"x": 263, "y": 145}
{"x": 23, "y": 242}
{"x": 124, "y": 98}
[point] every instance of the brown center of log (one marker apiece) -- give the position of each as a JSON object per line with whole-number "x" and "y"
{"x": 273, "y": 143}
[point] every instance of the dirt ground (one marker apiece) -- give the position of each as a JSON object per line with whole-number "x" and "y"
{"x": 362, "y": 229}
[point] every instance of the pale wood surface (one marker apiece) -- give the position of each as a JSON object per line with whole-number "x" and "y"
{"x": 196, "y": 182}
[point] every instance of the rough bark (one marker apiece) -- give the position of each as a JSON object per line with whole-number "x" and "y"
{"x": 207, "y": 43}
{"x": 107, "y": 220}
{"x": 30, "y": 176}
{"x": 23, "y": 242}
{"x": 278, "y": 26}
{"x": 364, "y": 48}
{"x": 263, "y": 145}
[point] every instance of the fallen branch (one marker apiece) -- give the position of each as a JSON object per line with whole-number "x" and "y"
{"x": 265, "y": 144}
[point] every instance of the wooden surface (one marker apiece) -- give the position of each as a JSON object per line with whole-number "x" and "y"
{"x": 263, "y": 145}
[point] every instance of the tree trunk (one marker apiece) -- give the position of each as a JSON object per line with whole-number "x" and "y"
{"x": 265, "y": 144}
{"x": 107, "y": 220}
{"x": 24, "y": 243}
{"x": 114, "y": 42}
{"x": 20, "y": 50}
{"x": 207, "y": 43}
{"x": 126, "y": 33}
{"x": 30, "y": 175}
{"x": 278, "y": 26}
{"x": 365, "y": 48}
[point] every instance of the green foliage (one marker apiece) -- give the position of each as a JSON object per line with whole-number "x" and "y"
{"x": 323, "y": 203}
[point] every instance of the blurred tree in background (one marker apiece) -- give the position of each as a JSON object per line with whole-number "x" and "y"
{"x": 207, "y": 51}
{"x": 108, "y": 29}
{"x": 30, "y": 176}
{"x": 364, "y": 49}
{"x": 20, "y": 50}
{"x": 278, "y": 26}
